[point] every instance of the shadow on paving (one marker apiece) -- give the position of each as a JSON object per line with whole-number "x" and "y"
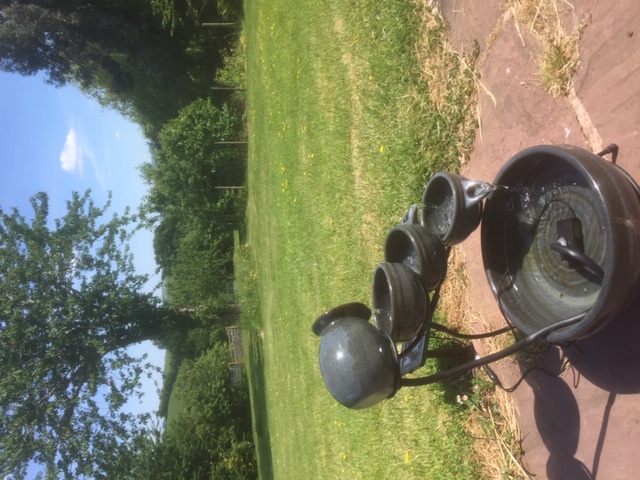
{"x": 610, "y": 359}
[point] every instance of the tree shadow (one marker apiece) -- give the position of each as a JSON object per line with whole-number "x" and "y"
{"x": 257, "y": 387}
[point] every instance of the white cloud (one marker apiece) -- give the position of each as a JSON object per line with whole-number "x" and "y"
{"x": 71, "y": 156}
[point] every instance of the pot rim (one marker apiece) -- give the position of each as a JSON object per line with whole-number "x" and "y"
{"x": 431, "y": 267}
{"x": 446, "y": 178}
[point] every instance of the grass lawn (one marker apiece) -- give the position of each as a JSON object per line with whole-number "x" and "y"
{"x": 351, "y": 106}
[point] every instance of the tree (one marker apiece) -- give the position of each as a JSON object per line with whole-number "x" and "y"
{"x": 212, "y": 438}
{"x": 178, "y": 13}
{"x": 201, "y": 271}
{"x": 70, "y": 302}
{"x": 189, "y": 167}
{"x": 193, "y": 216}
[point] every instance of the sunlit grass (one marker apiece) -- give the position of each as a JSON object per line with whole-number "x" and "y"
{"x": 344, "y": 131}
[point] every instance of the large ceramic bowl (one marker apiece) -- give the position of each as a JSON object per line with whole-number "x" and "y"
{"x": 550, "y": 195}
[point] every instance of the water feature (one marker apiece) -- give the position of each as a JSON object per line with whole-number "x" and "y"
{"x": 452, "y": 206}
{"x": 560, "y": 238}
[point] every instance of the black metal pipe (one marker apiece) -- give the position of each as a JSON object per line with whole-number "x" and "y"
{"x": 516, "y": 347}
{"x": 425, "y": 328}
{"x": 469, "y": 336}
{"x": 449, "y": 351}
{"x": 579, "y": 257}
{"x": 613, "y": 150}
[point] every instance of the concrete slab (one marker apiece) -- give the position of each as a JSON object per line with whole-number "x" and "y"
{"x": 585, "y": 424}
{"x": 608, "y": 82}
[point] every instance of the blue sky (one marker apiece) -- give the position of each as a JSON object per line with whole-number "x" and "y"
{"x": 58, "y": 141}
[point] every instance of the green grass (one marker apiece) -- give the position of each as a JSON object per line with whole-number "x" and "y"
{"x": 257, "y": 383}
{"x": 176, "y": 402}
{"x": 345, "y": 128}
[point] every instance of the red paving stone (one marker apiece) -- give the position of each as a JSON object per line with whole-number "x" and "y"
{"x": 585, "y": 424}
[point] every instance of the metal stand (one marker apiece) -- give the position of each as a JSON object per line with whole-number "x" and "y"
{"x": 479, "y": 362}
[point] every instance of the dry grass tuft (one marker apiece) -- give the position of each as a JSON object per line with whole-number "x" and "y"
{"x": 497, "y": 420}
{"x": 444, "y": 71}
{"x": 559, "y": 61}
{"x": 560, "y": 57}
{"x": 493, "y": 423}
{"x": 454, "y": 293}
{"x": 494, "y": 418}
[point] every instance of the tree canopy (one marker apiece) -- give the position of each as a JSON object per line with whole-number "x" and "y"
{"x": 189, "y": 200}
{"x": 70, "y": 302}
{"x": 70, "y": 299}
{"x": 212, "y": 438}
{"x": 117, "y": 51}
{"x": 190, "y": 165}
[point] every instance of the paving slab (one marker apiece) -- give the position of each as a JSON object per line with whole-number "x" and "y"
{"x": 585, "y": 424}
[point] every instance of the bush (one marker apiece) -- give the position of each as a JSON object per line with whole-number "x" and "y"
{"x": 212, "y": 438}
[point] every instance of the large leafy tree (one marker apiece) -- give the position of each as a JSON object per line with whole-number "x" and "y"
{"x": 212, "y": 436}
{"x": 70, "y": 302}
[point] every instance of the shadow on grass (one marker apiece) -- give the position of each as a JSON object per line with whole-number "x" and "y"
{"x": 254, "y": 361}
{"x": 452, "y": 388}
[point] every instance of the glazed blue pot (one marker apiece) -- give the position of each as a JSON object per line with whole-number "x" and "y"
{"x": 358, "y": 362}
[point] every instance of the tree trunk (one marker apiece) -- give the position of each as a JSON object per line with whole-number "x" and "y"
{"x": 230, "y": 315}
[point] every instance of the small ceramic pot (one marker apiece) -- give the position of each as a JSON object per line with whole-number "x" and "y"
{"x": 453, "y": 206}
{"x": 358, "y": 362}
{"x": 420, "y": 250}
{"x": 399, "y": 301}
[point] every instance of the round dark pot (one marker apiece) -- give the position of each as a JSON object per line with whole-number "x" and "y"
{"x": 358, "y": 362}
{"x": 453, "y": 206}
{"x": 551, "y": 200}
{"x": 399, "y": 301}
{"x": 352, "y": 309}
{"x": 422, "y": 251}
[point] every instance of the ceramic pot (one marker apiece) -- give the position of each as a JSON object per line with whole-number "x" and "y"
{"x": 417, "y": 248}
{"x": 452, "y": 206}
{"x": 399, "y": 301}
{"x": 358, "y": 362}
{"x": 561, "y": 236}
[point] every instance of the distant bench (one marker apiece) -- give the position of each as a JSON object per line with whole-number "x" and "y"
{"x": 235, "y": 344}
